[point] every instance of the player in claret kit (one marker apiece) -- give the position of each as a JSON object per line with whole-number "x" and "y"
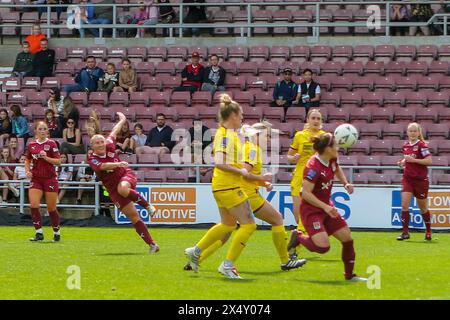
{"x": 319, "y": 216}
{"x": 42, "y": 156}
{"x": 120, "y": 180}
{"x": 415, "y": 178}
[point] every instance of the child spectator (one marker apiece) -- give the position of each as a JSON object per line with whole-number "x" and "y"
{"x": 139, "y": 139}
{"x": 52, "y": 122}
{"x": 123, "y": 138}
{"x": 19, "y": 171}
{"x": 84, "y": 174}
{"x": 24, "y": 62}
{"x": 20, "y": 126}
{"x": 109, "y": 80}
{"x": 7, "y": 173}
{"x": 128, "y": 79}
{"x": 64, "y": 174}
{"x": 5, "y": 127}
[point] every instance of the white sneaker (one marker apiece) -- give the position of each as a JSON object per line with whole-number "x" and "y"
{"x": 230, "y": 272}
{"x": 193, "y": 258}
{"x": 14, "y": 190}
{"x": 154, "y": 248}
{"x": 151, "y": 210}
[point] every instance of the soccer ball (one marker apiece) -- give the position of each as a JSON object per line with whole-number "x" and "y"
{"x": 346, "y": 135}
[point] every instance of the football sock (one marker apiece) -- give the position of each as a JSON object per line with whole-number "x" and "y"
{"x": 215, "y": 233}
{"x": 405, "y": 221}
{"x": 142, "y": 231}
{"x": 348, "y": 257}
{"x": 136, "y": 197}
{"x": 239, "y": 241}
{"x": 427, "y": 220}
{"x": 301, "y": 227}
{"x": 311, "y": 246}
{"x": 210, "y": 250}
{"x": 54, "y": 218}
{"x": 280, "y": 240}
{"x": 36, "y": 218}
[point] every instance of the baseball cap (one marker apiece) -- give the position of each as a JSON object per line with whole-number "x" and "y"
{"x": 286, "y": 70}
{"x": 195, "y": 55}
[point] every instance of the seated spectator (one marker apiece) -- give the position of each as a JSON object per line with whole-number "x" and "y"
{"x": 58, "y": 10}
{"x": 123, "y": 139}
{"x": 308, "y": 92}
{"x": 20, "y": 126}
{"x": 420, "y": 13}
{"x": 16, "y": 146}
{"x": 399, "y": 13}
{"x": 200, "y": 139}
{"x": 166, "y": 13}
{"x": 64, "y": 174}
{"x": 213, "y": 76}
{"x": 52, "y": 123}
{"x": 109, "y": 80}
{"x": 35, "y": 38}
{"x": 146, "y": 15}
{"x": 72, "y": 139}
{"x": 89, "y": 15}
{"x": 104, "y": 14}
{"x": 19, "y": 171}
{"x": 192, "y": 75}
{"x": 128, "y": 79}
{"x": 139, "y": 139}
{"x": 195, "y": 14}
{"x": 159, "y": 139}
{"x": 285, "y": 91}
{"x": 7, "y": 173}
{"x": 23, "y": 66}
{"x": 87, "y": 78}
{"x": 5, "y": 127}
{"x": 84, "y": 174}
{"x": 55, "y": 101}
{"x": 445, "y": 8}
{"x": 44, "y": 61}
{"x": 70, "y": 112}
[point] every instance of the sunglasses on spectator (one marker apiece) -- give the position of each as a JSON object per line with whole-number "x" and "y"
{"x": 70, "y": 122}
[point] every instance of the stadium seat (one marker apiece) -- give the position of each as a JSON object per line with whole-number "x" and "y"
{"x": 360, "y": 115}
{"x": 130, "y": 158}
{"x": 436, "y": 130}
{"x": 144, "y": 67}
{"x": 379, "y": 179}
{"x": 390, "y": 161}
{"x": 385, "y": 53}
{"x": 394, "y": 99}
{"x": 427, "y": 115}
{"x": 201, "y": 98}
{"x": 376, "y": 67}
{"x": 279, "y": 53}
{"x": 167, "y": 67}
{"x": 417, "y": 67}
{"x": 404, "y": 115}
{"x": 148, "y": 82}
{"x": 259, "y": 53}
{"x": 268, "y": 67}
{"x": 443, "y": 147}
{"x": 371, "y": 130}
{"x": 235, "y": 82}
{"x": 177, "y": 54}
{"x": 159, "y": 99}
{"x": 99, "y": 53}
{"x": 442, "y": 67}
{"x": 363, "y": 53}
{"x": 427, "y": 53}
{"x": 253, "y": 82}
{"x": 98, "y": 99}
{"x": 360, "y": 147}
{"x": 119, "y": 99}
{"x": 220, "y": 51}
{"x": 137, "y": 54}
{"x": 364, "y": 160}
{"x": 169, "y": 82}
{"x": 116, "y": 54}
{"x": 356, "y": 67}
{"x": 237, "y": 53}
{"x": 180, "y": 99}
{"x": 230, "y": 67}
{"x": 76, "y": 54}
{"x": 397, "y": 147}
{"x": 444, "y": 52}
{"x": 351, "y": 99}
{"x": 300, "y": 54}
{"x": 248, "y": 67}
{"x": 155, "y": 176}
{"x": 406, "y": 83}
{"x": 405, "y": 53}
{"x": 139, "y": 99}
{"x": 380, "y": 147}
{"x": 373, "y": 99}
{"x": 394, "y": 131}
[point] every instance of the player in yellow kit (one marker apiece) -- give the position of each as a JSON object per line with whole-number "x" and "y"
{"x": 257, "y": 139}
{"x": 299, "y": 153}
{"x": 228, "y": 193}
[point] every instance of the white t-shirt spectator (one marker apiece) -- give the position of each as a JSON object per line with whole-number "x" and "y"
{"x": 20, "y": 172}
{"x": 307, "y": 86}
{"x": 64, "y": 172}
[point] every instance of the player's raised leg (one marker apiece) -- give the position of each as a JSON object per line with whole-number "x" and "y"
{"x": 126, "y": 189}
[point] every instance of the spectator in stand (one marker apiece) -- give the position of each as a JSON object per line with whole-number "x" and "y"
{"x": 146, "y": 15}
{"x": 420, "y": 13}
{"x": 72, "y": 139}
{"x": 87, "y": 78}
{"x": 64, "y": 174}
{"x": 195, "y": 14}
{"x": 285, "y": 91}
{"x": 128, "y": 79}
{"x": 200, "y": 137}
{"x": 123, "y": 139}
{"x": 104, "y": 14}
{"x": 88, "y": 16}
{"x": 70, "y": 112}
{"x": 16, "y": 146}
{"x": 19, "y": 171}
{"x": 52, "y": 123}
{"x": 44, "y": 61}
{"x": 399, "y": 13}
{"x": 20, "y": 126}
{"x": 308, "y": 92}
{"x": 55, "y": 101}
{"x": 139, "y": 139}
{"x": 213, "y": 76}
{"x": 84, "y": 174}
{"x": 5, "y": 127}
{"x": 192, "y": 75}
{"x": 24, "y": 62}
{"x": 109, "y": 80}
{"x": 35, "y": 38}
{"x": 159, "y": 139}
{"x": 7, "y": 173}
{"x": 445, "y": 8}
{"x": 166, "y": 13}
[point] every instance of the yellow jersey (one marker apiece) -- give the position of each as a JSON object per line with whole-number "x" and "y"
{"x": 304, "y": 148}
{"x": 252, "y": 156}
{"x": 227, "y": 142}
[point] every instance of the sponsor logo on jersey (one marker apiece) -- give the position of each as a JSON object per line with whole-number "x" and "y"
{"x": 325, "y": 186}
{"x": 95, "y": 162}
{"x": 55, "y": 150}
{"x": 415, "y": 148}
{"x": 111, "y": 154}
{"x": 316, "y": 225}
{"x": 311, "y": 174}
{"x": 46, "y": 147}
{"x": 252, "y": 155}
{"x": 224, "y": 142}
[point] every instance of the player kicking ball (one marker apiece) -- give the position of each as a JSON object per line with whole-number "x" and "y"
{"x": 120, "y": 180}
{"x": 319, "y": 216}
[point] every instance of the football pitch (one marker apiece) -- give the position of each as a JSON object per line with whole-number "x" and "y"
{"x": 113, "y": 263}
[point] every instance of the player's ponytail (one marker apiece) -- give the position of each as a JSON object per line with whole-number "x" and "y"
{"x": 227, "y": 107}
{"x": 419, "y": 128}
{"x": 310, "y": 113}
{"x": 322, "y": 141}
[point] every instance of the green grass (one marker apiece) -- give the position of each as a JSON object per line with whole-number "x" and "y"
{"x": 115, "y": 265}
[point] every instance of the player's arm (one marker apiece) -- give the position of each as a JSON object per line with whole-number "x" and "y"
{"x": 122, "y": 119}
{"x": 261, "y": 178}
{"x": 220, "y": 163}
{"x": 343, "y": 179}
{"x": 107, "y": 166}
{"x": 28, "y": 168}
{"x": 308, "y": 196}
{"x": 428, "y": 161}
{"x": 293, "y": 156}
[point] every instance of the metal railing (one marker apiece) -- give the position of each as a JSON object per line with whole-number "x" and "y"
{"x": 96, "y": 186}
{"x": 384, "y": 21}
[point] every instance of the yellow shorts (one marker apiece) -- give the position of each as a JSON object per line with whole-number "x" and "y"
{"x": 296, "y": 185}
{"x": 229, "y": 198}
{"x": 256, "y": 200}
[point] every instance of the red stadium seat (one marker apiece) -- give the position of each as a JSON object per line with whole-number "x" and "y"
{"x": 363, "y": 53}
{"x": 372, "y": 98}
{"x": 379, "y": 179}
{"x": 155, "y": 176}
{"x": 406, "y": 83}
{"x": 150, "y": 83}
{"x": 177, "y": 54}
{"x": 439, "y": 67}
{"x": 220, "y": 51}
{"x": 259, "y": 53}
{"x": 31, "y": 83}
{"x": 167, "y": 67}
{"x": 99, "y": 53}
{"x": 393, "y": 131}
{"x": 342, "y": 54}
{"x": 429, "y": 115}
{"x": 430, "y": 82}
{"x": 268, "y": 67}
{"x": 159, "y": 99}
{"x": 169, "y": 82}
{"x": 427, "y": 53}
{"x": 444, "y": 52}
{"x": 369, "y": 161}
{"x": 136, "y": 54}
{"x": 417, "y": 67}
{"x": 256, "y": 82}
{"x": 180, "y": 99}
{"x": 144, "y": 67}
{"x": 397, "y": 147}
{"x": 380, "y": 147}
{"x": 394, "y": 99}
{"x": 353, "y": 67}
{"x": 371, "y": 131}
{"x": 390, "y": 161}
{"x": 237, "y": 53}
{"x": 248, "y": 67}
{"x": 300, "y": 54}
{"x": 201, "y": 98}
{"x": 116, "y": 54}
{"x": 333, "y": 67}
{"x": 279, "y": 53}
{"x": 139, "y": 99}
{"x": 377, "y": 67}
{"x": 405, "y": 53}
{"x": 358, "y": 115}
{"x": 385, "y": 53}
{"x": 351, "y": 99}
{"x": 235, "y": 82}
{"x": 230, "y": 67}
{"x": 436, "y": 130}
{"x": 320, "y": 54}
{"x": 404, "y": 115}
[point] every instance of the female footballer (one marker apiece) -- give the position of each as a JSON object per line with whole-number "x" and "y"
{"x": 228, "y": 192}
{"x": 42, "y": 156}
{"x": 299, "y": 153}
{"x": 120, "y": 180}
{"x": 319, "y": 216}
{"x": 415, "y": 178}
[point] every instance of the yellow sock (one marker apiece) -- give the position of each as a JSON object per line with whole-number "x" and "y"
{"x": 279, "y": 238}
{"x": 239, "y": 240}
{"x": 210, "y": 250}
{"x": 215, "y": 233}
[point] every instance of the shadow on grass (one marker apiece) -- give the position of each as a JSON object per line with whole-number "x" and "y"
{"x": 327, "y": 282}
{"x": 118, "y": 254}
{"x": 262, "y": 273}
{"x": 321, "y": 259}
{"x": 421, "y": 242}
